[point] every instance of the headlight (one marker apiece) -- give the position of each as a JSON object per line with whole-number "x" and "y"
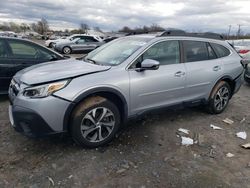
{"x": 44, "y": 90}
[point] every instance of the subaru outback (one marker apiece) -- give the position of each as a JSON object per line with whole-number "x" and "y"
{"x": 122, "y": 79}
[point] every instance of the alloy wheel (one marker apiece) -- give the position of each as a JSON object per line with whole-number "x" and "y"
{"x": 221, "y": 98}
{"x": 97, "y": 124}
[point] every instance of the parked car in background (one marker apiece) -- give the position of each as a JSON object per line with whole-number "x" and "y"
{"x": 247, "y": 74}
{"x": 17, "y": 54}
{"x": 81, "y": 44}
{"x": 242, "y": 47}
{"x": 51, "y": 42}
{"x": 109, "y": 39}
{"x": 121, "y": 80}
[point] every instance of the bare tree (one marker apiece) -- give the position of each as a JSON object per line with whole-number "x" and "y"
{"x": 43, "y": 26}
{"x": 126, "y": 29}
{"x": 84, "y": 27}
{"x": 97, "y": 29}
{"x": 24, "y": 27}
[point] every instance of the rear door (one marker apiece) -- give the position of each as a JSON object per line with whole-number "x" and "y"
{"x": 91, "y": 43}
{"x": 79, "y": 45}
{"x": 6, "y": 67}
{"x": 202, "y": 66}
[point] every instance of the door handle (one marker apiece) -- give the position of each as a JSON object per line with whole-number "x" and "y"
{"x": 216, "y": 68}
{"x": 179, "y": 74}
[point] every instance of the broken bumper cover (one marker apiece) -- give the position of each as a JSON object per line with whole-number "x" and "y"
{"x": 28, "y": 122}
{"x": 37, "y": 117}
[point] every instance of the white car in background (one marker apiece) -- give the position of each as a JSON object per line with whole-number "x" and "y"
{"x": 52, "y": 42}
{"x": 242, "y": 46}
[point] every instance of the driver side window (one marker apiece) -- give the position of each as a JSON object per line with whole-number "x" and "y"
{"x": 21, "y": 50}
{"x": 167, "y": 52}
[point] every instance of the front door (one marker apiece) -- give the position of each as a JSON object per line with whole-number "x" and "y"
{"x": 155, "y": 88}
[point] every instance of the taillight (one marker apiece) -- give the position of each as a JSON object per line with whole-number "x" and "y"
{"x": 243, "y": 51}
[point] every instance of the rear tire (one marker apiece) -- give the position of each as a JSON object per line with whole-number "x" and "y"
{"x": 51, "y": 45}
{"x": 95, "y": 122}
{"x": 219, "y": 98}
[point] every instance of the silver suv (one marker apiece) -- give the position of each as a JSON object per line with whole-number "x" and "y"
{"x": 122, "y": 79}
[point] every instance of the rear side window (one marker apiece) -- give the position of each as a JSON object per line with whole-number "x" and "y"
{"x": 3, "y": 51}
{"x": 220, "y": 50}
{"x": 195, "y": 51}
{"x": 90, "y": 39}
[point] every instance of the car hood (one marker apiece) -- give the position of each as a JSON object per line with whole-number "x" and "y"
{"x": 52, "y": 71}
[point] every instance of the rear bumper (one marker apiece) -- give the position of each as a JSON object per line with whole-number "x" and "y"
{"x": 238, "y": 82}
{"x": 247, "y": 76}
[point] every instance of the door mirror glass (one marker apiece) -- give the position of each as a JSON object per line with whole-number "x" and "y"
{"x": 149, "y": 64}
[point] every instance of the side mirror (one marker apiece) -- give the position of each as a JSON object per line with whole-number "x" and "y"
{"x": 245, "y": 62}
{"x": 149, "y": 64}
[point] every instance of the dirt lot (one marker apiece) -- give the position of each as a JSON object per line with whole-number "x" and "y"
{"x": 148, "y": 153}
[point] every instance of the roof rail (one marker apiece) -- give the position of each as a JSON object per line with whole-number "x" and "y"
{"x": 209, "y": 35}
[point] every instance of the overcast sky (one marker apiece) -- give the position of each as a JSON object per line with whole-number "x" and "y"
{"x": 197, "y": 15}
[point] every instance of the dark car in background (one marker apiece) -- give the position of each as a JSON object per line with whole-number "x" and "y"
{"x": 17, "y": 54}
{"x": 81, "y": 44}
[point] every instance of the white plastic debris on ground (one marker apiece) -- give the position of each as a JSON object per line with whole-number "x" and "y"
{"x": 228, "y": 121}
{"x": 215, "y": 127}
{"x": 246, "y": 146}
{"x": 186, "y": 141}
{"x": 242, "y": 135}
{"x": 229, "y": 155}
{"x": 183, "y": 130}
{"x": 243, "y": 120}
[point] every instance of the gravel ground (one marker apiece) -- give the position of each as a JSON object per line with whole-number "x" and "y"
{"x": 147, "y": 153}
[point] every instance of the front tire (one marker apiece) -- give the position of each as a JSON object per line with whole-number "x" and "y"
{"x": 219, "y": 98}
{"x": 67, "y": 50}
{"x": 95, "y": 122}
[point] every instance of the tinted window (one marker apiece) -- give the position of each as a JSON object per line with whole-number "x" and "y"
{"x": 3, "y": 51}
{"x": 165, "y": 52}
{"x": 22, "y": 50}
{"x": 220, "y": 50}
{"x": 90, "y": 39}
{"x": 211, "y": 53}
{"x": 80, "y": 41}
{"x": 195, "y": 51}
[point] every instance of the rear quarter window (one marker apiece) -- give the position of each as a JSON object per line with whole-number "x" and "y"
{"x": 220, "y": 50}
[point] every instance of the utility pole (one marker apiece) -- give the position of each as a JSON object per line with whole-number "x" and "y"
{"x": 238, "y": 33}
{"x": 229, "y": 31}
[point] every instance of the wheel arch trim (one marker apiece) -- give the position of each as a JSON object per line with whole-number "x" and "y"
{"x": 90, "y": 92}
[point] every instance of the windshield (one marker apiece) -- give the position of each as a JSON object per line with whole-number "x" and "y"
{"x": 116, "y": 52}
